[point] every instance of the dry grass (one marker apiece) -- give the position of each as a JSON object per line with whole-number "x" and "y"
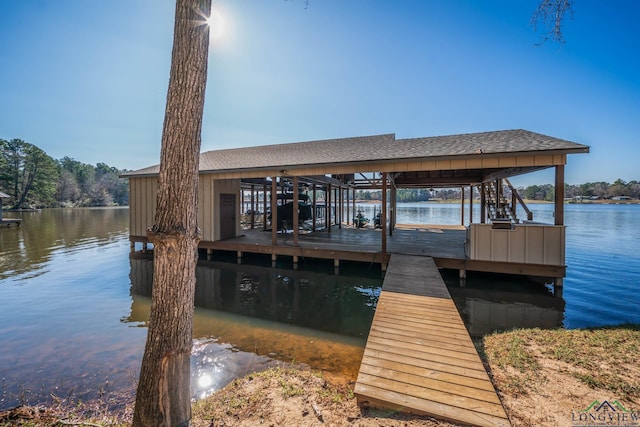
{"x": 541, "y": 376}
{"x": 290, "y": 396}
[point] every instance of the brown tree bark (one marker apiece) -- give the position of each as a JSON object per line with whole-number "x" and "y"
{"x": 163, "y": 394}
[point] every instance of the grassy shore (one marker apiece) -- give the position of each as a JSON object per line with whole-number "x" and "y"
{"x": 543, "y": 377}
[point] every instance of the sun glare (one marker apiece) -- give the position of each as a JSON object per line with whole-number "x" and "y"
{"x": 216, "y": 25}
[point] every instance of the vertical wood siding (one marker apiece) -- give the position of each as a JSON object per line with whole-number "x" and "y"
{"x": 526, "y": 243}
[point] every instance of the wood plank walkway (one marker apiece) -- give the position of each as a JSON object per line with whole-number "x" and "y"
{"x": 419, "y": 357}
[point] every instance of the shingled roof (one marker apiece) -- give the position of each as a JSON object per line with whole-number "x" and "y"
{"x": 377, "y": 148}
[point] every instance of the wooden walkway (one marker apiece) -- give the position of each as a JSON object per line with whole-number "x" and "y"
{"x": 419, "y": 357}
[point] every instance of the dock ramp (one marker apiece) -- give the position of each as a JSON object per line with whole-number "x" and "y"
{"x": 419, "y": 357}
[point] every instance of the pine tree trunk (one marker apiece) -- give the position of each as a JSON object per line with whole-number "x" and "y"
{"x": 163, "y": 396}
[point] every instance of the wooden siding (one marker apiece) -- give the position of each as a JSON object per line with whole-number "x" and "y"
{"x": 142, "y": 204}
{"x": 526, "y": 243}
{"x": 419, "y": 357}
{"x": 206, "y": 207}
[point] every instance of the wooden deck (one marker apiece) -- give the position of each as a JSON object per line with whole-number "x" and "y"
{"x": 446, "y": 244}
{"x": 419, "y": 357}
{"x": 353, "y": 244}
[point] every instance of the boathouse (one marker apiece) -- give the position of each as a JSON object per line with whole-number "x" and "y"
{"x": 298, "y": 200}
{"x": 324, "y": 175}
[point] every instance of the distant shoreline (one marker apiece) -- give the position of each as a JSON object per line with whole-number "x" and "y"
{"x": 527, "y": 201}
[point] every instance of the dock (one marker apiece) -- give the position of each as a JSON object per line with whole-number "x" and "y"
{"x": 419, "y": 357}
{"x": 8, "y": 222}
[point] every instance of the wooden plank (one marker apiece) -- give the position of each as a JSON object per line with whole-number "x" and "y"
{"x": 434, "y": 339}
{"x": 455, "y": 401}
{"x": 432, "y": 374}
{"x": 419, "y": 357}
{"x": 441, "y": 363}
{"x": 398, "y": 401}
{"x": 465, "y": 389}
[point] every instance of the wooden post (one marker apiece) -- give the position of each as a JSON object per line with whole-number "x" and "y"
{"x": 461, "y": 205}
{"x": 274, "y": 211}
{"x": 336, "y": 195}
{"x": 498, "y": 198}
{"x": 264, "y": 207}
{"x": 470, "y": 204}
{"x": 483, "y": 204}
{"x": 253, "y": 207}
{"x": 559, "y": 195}
{"x": 295, "y": 210}
{"x": 328, "y": 206}
{"x": 348, "y": 208}
{"x": 383, "y": 213}
{"x": 313, "y": 208}
{"x": 242, "y": 211}
{"x": 339, "y": 210}
{"x": 392, "y": 219}
{"x": 354, "y": 204}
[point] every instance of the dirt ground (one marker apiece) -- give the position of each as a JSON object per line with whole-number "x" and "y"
{"x": 544, "y": 378}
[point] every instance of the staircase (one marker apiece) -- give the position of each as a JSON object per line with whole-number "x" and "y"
{"x": 498, "y": 206}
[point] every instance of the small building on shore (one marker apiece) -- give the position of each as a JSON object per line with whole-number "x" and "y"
{"x": 2, "y": 196}
{"x": 328, "y": 173}
{"x": 7, "y": 222}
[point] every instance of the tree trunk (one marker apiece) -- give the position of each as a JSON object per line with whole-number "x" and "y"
{"x": 163, "y": 396}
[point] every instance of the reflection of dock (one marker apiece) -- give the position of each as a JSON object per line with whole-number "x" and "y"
{"x": 9, "y": 222}
{"x": 485, "y": 311}
{"x": 262, "y": 310}
{"x": 419, "y": 357}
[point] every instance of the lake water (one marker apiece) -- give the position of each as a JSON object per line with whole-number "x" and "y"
{"x": 75, "y": 304}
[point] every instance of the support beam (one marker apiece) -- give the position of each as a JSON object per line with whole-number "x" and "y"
{"x": 253, "y": 207}
{"x": 383, "y": 214}
{"x": 394, "y": 205}
{"x": 354, "y": 205}
{"x": 559, "y": 195}
{"x": 348, "y": 208}
{"x": 471, "y": 204}
{"x": 274, "y": 211}
{"x": 336, "y": 195}
{"x": 340, "y": 206}
{"x": 327, "y": 202}
{"x": 264, "y": 207}
{"x": 461, "y": 205}
{"x": 483, "y": 204}
{"x": 313, "y": 208}
{"x": 296, "y": 207}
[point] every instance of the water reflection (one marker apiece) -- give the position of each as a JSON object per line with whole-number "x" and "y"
{"x": 248, "y": 316}
{"x": 43, "y": 233}
{"x": 489, "y": 303}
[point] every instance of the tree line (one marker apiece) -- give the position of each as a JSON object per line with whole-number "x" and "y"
{"x": 33, "y": 179}
{"x": 545, "y": 192}
{"x": 597, "y": 190}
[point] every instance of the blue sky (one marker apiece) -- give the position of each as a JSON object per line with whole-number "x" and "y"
{"x": 87, "y": 79}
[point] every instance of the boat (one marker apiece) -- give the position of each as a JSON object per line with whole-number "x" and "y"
{"x": 360, "y": 221}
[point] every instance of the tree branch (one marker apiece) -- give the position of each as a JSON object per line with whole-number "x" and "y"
{"x": 551, "y": 14}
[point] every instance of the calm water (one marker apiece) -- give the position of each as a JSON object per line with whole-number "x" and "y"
{"x": 75, "y": 305}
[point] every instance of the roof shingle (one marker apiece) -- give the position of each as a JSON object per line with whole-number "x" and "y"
{"x": 376, "y": 148}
